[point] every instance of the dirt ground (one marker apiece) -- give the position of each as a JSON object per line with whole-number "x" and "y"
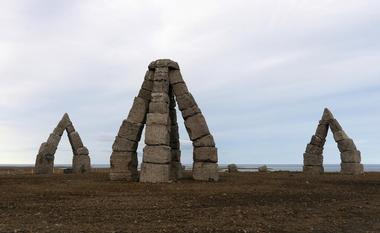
{"x": 240, "y": 202}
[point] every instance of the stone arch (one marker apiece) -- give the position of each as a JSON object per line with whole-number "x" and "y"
{"x": 313, "y": 156}
{"x": 155, "y": 107}
{"x": 45, "y": 157}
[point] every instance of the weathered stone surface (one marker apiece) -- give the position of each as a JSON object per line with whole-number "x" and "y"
{"x": 322, "y": 130}
{"x": 160, "y": 97}
{"x": 176, "y": 170}
{"x": 160, "y": 86}
{"x": 81, "y": 163}
{"x": 44, "y": 164}
{"x": 190, "y": 112}
{"x": 149, "y": 75}
{"x": 232, "y": 168}
{"x": 180, "y": 89}
{"x": 131, "y": 131}
{"x": 207, "y": 140}
{"x": 157, "y": 154}
{"x": 53, "y": 140}
{"x": 65, "y": 121}
{"x": 155, "y": 173}
{"x": 58, "y": 131}
{"x": 340, "y": 135}
{"x": 327, "y": 115}
{"x": 205, "y": 154}
{"x": 75, "y": 140}
{"x": 159, "y": 107}
{"x": 145, "y": 94}
{"x": 175, "y": 77}
{"x": 174, "y": 137}
{"x": 163, "y": 63}
{"x": 196, "y": 127}
{"x": 313, "y": 170}
{"x": 70, "y": 128}
{"x": 124, "y": 166}
{"x": 185, "y": 101}
{"x": 312, "y": 159}
{"x": 176, "y": 155}
{"x": 334, "y": 125}
{"x": 317, "y": 141}
{"x": 47, "y": 148}
{"x": 123, "y": 144}
{"x": 82, "y": 151}
{"x": 351, "y": 168}
{"x": 205, "y": 171}
{"x": 147, "y": 85}
{"x": 173, "y": 116}
{"x": 351, "y": 156}
{"x": 161, "y": 74}
{"x": 346, "y": 145}
{"x": 312, "y": 149}
{"x": 137, "y": 114}
{"x": 158, "y": 119}
{"x": 157, "y": 135}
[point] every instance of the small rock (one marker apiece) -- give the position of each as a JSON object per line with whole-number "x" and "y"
{"x": 263, "y": 169}
{"x": 232, "y": 168}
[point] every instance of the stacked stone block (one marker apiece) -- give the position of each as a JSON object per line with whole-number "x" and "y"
{"x": 45, "y": 157}
{"x": 350, "y": 156}
{"x": 162, "y": 154}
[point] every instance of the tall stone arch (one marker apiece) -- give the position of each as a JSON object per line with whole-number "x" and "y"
{"x": 45, "y": 157}
{"x": 155, "y": 107}
{"x": 313, "y": 156}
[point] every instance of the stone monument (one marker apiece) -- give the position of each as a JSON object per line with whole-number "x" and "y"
{"x": 155, "y": 107}
{"x": 45, "y": 157}
{"x": 313, "y": 156}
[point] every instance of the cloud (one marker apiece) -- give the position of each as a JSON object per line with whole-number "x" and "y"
{"x": 261, "y": 71}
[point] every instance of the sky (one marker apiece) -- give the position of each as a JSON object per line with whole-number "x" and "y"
{"x": 261, "y": 71}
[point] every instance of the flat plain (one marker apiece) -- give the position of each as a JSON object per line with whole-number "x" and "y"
{"x": 239, "y": 202}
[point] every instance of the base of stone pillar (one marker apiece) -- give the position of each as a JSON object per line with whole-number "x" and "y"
{"x": 44, "y": 165}
{"x": 205, "y": 171}
{"x": 155, "y": 173}
{"x": 313, "y": 170}
{"x": 81, "y": 164}
{"x": 351, "y": 168}
{"x": 176, "y": 170}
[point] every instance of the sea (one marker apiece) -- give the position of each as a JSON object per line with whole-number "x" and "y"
{"x": 241, "y": 167}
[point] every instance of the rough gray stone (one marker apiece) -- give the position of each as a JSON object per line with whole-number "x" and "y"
{"x": 317, "y": 141}
{"x": 205, "y": 171}
{"x": 175, "y": 77}
{"x": 351, "y": 156}
{"x": 155, "y": 173}
{"x": 123, "y": 144}
{"x": 335, "y": 126}
{"x": 70, "y": 128}
{"x": 196, "y": 127}
{"x": 160, "y": 86}
{"x": 176, "y": 155}
{"x": 53, "y": 140}
{"x": 207, "y": 140}
{"x": 160, "y": 97}
{"x": 157, "y": 154}
{"x": 124, "y": 166}
{"x": 47, "y": 148}
{"x": 145, "y": 94}
{"x": 313, "y": 170}
{"x": 263, "y": 168}
{"x": 185, "y": 101}
{"x": 158, "y": 119}
{"x": 58, "y": 131}
{"x": 190, "y": 112}
{"x": 312, "y": 149}
{"x": 44, "y": 164}
{"x": 131, "y": 131}
{"x": 180, "y": 89}
{"x": 82, "y": 151}
{"x": 149, "y": 75}
{"x": 322, "y": 130}
{"x": 161, "y": 74}
{"x": 75, "y": 140}
{"x": 157, "y": 135}
{"x": 65, "y": 121}
{"x": 159, "y": 107}
{"x": 137, "y": 114}
{"x": 327, "y": 115}
{"x": 351, "y": 168}
{"x": 232, "y": 168}
{"x": 346, "y": 145}
{"x": 312, "y": 159}
{"x": 81, "y": 163}
{"x": 340, "y": 135}
{"x": 147, "y": 84}
{"x": 176, "y": 170}
{"x": 205, "y": 154}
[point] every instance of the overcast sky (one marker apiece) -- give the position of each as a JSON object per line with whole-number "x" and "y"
{"x": 261, "y": 71}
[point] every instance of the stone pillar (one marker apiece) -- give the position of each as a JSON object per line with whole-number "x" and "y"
{"x": 313, "y": 156}
{"x": 124, "y": 149}
{"x": 349, "y": 155}
{"x": 157, "y": 157}
{"x": 176, "y": 166}
{"x": 205, "y": 154}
